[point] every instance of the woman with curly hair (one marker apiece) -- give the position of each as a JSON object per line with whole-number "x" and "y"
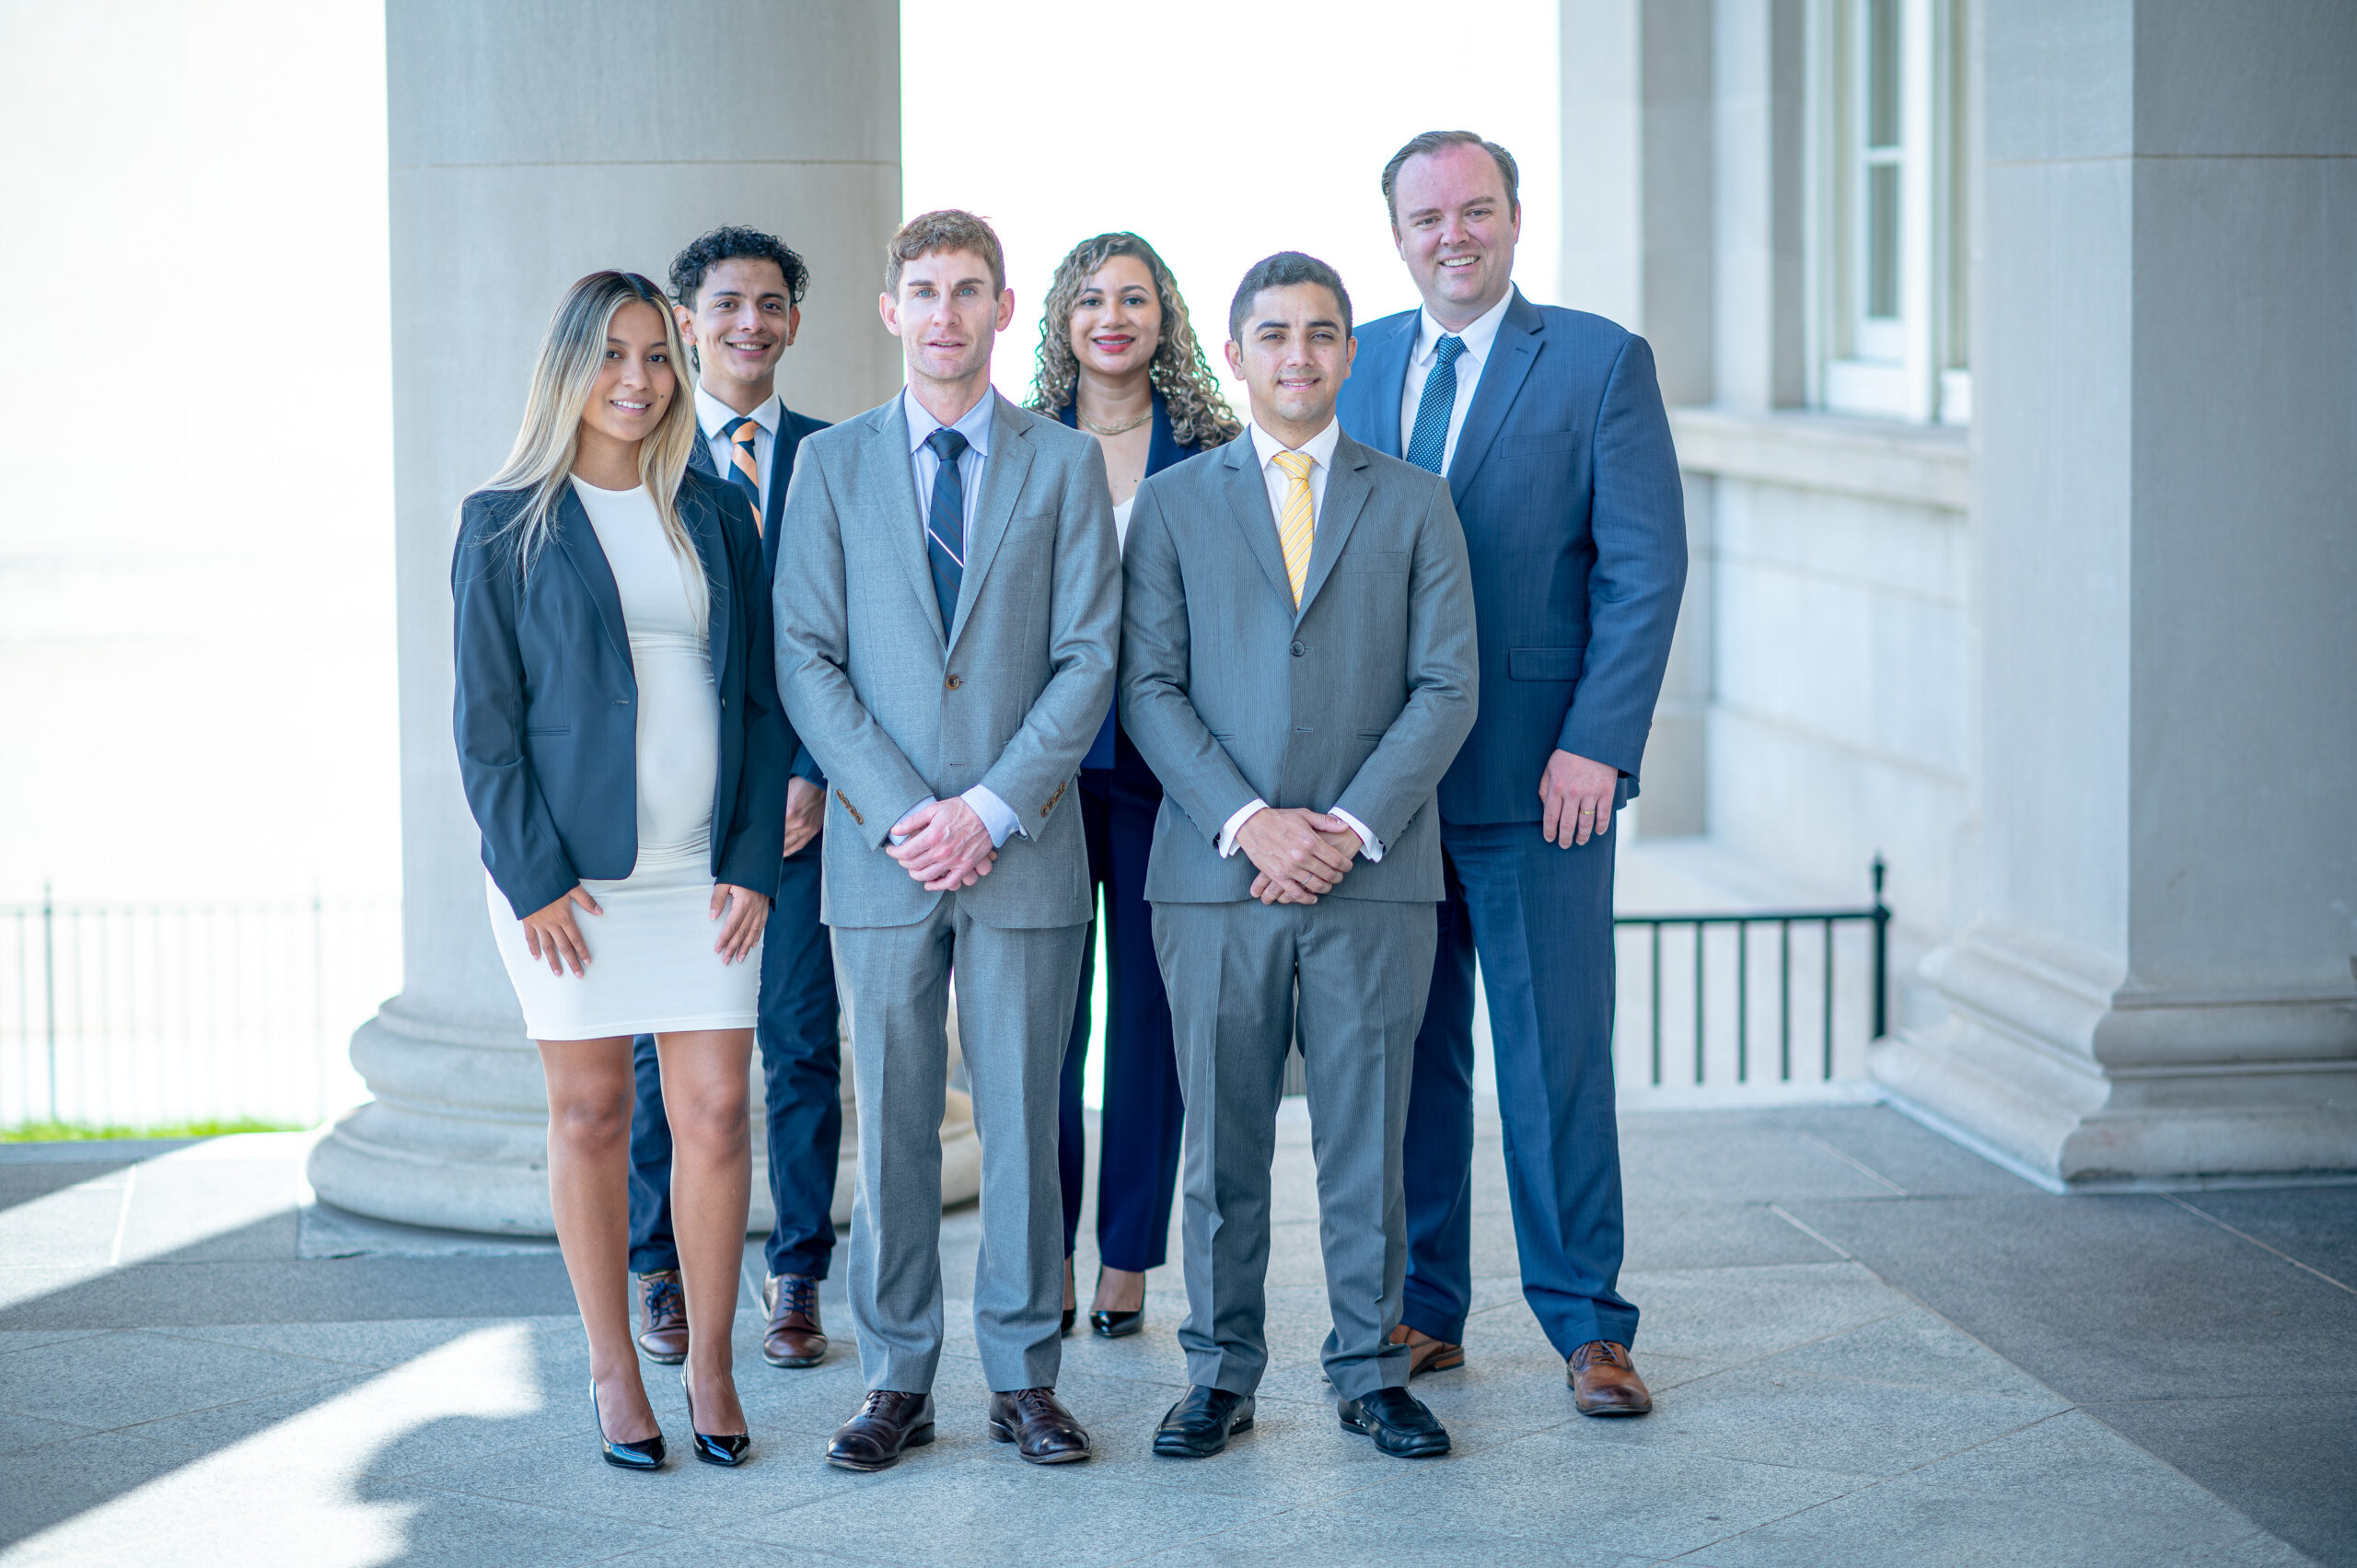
{"x": 1119, "y": 359}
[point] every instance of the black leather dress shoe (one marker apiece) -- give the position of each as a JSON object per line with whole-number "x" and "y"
{"x": 889, "y": 1423}
{"x": 714, "y": 1448}
{"x": 1398, "y": 1421}
{"x": 1036, "y": 1421}
{"x": 1200, "y": 1425}
{"x": 1117, "y": 1325}
{"x": 645, "y": 1456}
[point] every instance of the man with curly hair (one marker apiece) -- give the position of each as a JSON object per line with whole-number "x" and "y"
{"x": 738, "y": 298}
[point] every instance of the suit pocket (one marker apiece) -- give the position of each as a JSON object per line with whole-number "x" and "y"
{"x": 547, "y": 729}
{"x": 1545, "y": 664}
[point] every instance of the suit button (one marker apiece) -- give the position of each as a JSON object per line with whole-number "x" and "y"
{"x": 954, "y": 682}
{"x": 1299, "y": 649}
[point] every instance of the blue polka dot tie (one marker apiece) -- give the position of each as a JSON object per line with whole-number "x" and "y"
{"x": 1429, "y": 444}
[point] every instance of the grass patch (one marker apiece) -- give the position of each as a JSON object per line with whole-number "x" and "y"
{"x": 83, "y": 1132}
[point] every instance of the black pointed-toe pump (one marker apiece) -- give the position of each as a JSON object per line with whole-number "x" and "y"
{"x": 645, "y": 1456}
{"x": 725, "y": 1450}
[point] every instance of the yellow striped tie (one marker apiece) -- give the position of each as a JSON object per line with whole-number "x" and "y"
{"x": 1297, "y": 528}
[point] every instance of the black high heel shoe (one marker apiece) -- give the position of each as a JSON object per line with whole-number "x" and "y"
{"x": 645, "y": 1456}
{"x": 728, "y": 1451}
{"x": 1117, "y": 1325}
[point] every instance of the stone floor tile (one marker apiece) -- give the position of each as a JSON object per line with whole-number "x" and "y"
{"x": 1726, "y": 1316}
{"x": 2073, "y": 1459}
{"x": 376, "y": 1343}
{"x": 186, "y": 1294}
{"x": 208, "y": 1210}
{"x": 57, "y": 1483}
{"x": 1924, "y": 1526}
{"x": 1041, "y": 1516}
{"x": 110, "y": 1380}
{"x": 1736, "y": 1163}
{"x": 33, "y": 1338}
{"x": 1715, "y": 1235}
{"x": 2289, "y": 1462}
{"x": 74, "y": 1226}
{"x": 568, "y": 1473}
{"x": 1902, "y": 1150}
{"x": 1341, "y": 1536}
{"x": 2316, "y": 1225}
{"x": 20, "y": 1433}
{"x": 217, "y": 1426}
{"x": 1916, "y": 1348}
{"x": 718, "y": 1550}
{"x": 414, "y": 1526}
{"x": 1645, "y": 1501}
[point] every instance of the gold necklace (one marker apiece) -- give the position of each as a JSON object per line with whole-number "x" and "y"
{"x": 1111, "y": 429}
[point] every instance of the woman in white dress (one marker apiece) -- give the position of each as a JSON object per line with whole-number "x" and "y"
{"x": 625, "y": 755}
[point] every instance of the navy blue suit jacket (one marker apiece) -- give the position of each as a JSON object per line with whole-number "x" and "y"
{"x": 546, "y": 710}
{"x": 788, "y": 441}
{"x": 1161, "y": 452}
{"x": 1575, "y": 520}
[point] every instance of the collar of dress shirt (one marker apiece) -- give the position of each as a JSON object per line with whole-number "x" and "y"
{"x": 974, "y": 424}
{"x": 715, "y": 415}
{"x": 1320, "y": 447}
{"x": 1479, "y": 333}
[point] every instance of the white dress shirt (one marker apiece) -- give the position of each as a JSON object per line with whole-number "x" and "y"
{"x": 1320, "y": 451}
{"x": 975, "y": 426}
{"x": 713, "y": 416}
{"x": 1480, "y": 336}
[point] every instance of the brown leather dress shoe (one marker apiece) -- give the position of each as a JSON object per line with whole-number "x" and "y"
{"x": 1036, "y": 1421}
{"x": 665, "y": 1338}
{"x": 1605, "y": 1382}
{"x": 793, "y": 1337}
{"x": 889, "y": 1422}
{"x": 1426, "y": 1353}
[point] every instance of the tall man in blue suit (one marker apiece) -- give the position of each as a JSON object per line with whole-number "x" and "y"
{"x": 1549, "y": 425}
{"x": 740, "y": 304}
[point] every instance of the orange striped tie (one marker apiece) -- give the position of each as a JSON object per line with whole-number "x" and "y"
{"x": 744, "y": 471}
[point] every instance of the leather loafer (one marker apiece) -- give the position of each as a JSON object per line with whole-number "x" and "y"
{"x": 1605, "y": 1382}
{"x": 1398, "y": 1421}
{"x": 1036, "y": 1421}
{"x": 1200, "y": 1425}
{"x": 889, "y": 1422}
{"x": 1117, "y": 1325}
{"x": 665, "y": 1310}
{"x": 1426, "y": 1353}
{"x": 793, "y": 1337}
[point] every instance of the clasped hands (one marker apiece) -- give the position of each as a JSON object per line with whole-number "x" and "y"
{"x": 943, "y": 845}
{"x": 1299, "y": 853}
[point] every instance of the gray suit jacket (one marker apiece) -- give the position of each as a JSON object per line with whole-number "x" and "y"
{"x": 893, "y": 711}
{"x": 1359, "y": 702}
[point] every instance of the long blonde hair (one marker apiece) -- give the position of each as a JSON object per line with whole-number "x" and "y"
{"x": 571, "y": 354}
{"x": 1199, "y": 416}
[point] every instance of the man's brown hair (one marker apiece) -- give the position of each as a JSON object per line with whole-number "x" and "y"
{"x": 928, "y": 234}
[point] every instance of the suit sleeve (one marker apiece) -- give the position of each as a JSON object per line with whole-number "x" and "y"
{"x": 1400, "y": 774}
{"x": 520, "y": 847}
{"x": 1638, "y": 520}
{"x": 865, "y": 768}
{"x": 755, "y": 843}
{"x": 1084, "y": 637}
{"x": 1156, "y": 711}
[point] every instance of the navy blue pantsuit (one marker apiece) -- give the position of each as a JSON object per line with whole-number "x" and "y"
{"x": 801, "y": 1068}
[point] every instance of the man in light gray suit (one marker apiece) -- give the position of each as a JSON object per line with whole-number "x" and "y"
{"x": 947, "y": 597}
{"x": 1297, "y": 665}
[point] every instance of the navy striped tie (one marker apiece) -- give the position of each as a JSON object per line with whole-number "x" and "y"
{"x": 944, "y": 530}
{"x": 1430, "y": 442}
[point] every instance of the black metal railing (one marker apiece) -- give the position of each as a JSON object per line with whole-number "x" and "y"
{"x": 1822, "y": 922}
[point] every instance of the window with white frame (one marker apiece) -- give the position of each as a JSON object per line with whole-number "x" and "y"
{"x": 1886, "y": 89}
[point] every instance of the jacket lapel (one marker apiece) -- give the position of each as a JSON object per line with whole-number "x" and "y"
{"x": 903, "y": 524}
{"x": 1386, "y": 371}
{"x": 1163, "y": 449}
{"x": 1003, "y": 475}
{"x": 782, "y": 446}
{"x": 701, "y": 520}
{"x": 1247, "y": 502}
{"x": 579, "y": 539}
{"x": 1511, "y": 353}
{"x": 1346, "y": 494}
{"x": 700, "y": 454}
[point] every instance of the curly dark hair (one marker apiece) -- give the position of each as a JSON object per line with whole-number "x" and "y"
{"x": 729, "y": 244}
{"x": 1199, "y": 414}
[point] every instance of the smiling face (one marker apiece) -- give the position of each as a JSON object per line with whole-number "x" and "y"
{"x": 1117, "y": 320}
{"x": 636, "y": 381}
{"x": 743, "y": 321}
{"x": 946, "y": 316}
{"x": 1293, "y": 358}
{"x": 1456, "y": 231}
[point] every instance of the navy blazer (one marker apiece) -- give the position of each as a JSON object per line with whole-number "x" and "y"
{"x": 1567, "y": 484}
{"x": 1160, "y": 453}
{"x": 783, "y": 444}
{"x": 546, "y": 710}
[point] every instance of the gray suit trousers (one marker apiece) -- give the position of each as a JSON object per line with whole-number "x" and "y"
{"x": 1364, "y": 967}
{"x": 1015, "y": 999}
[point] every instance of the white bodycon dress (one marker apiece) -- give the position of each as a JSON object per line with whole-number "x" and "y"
{"x": 651, "y": 966}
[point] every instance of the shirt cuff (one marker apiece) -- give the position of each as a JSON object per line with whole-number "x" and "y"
{"x": 1243, "y": 815}
{"x": 996, "y": 815}
{"x": 1368, "y": 847}
{"x": 903, "y": 838}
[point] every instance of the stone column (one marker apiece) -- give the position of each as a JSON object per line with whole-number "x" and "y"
{"x": 2152, "y": 980}
{"x": 532, "y": 143}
